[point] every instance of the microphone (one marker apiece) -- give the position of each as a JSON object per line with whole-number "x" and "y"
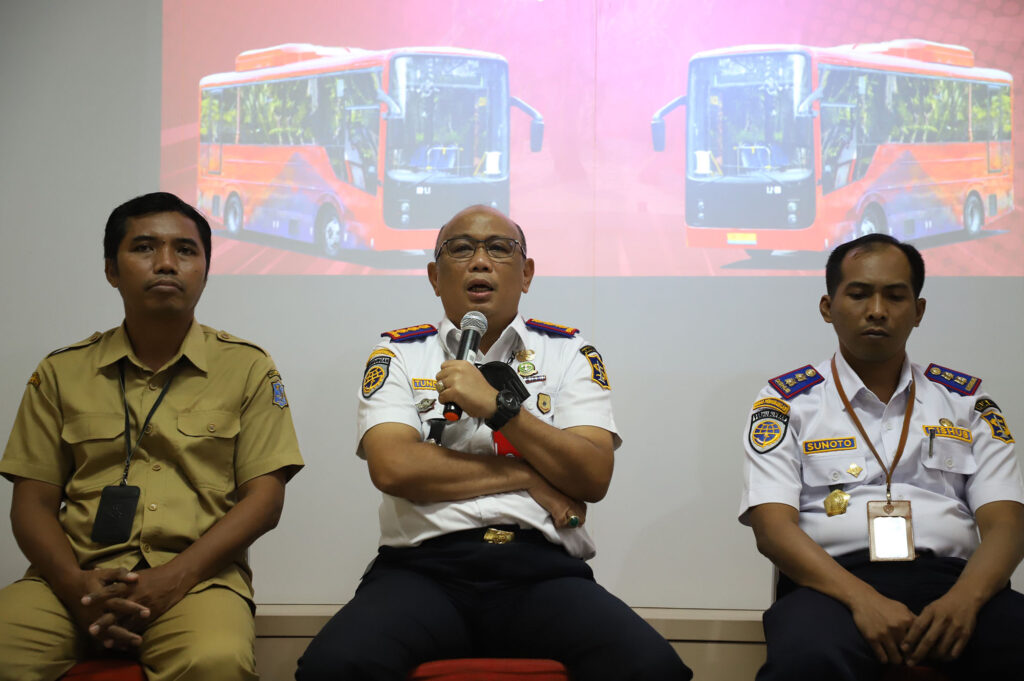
{"x": 474, "y": 326}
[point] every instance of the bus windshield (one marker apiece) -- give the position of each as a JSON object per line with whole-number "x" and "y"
{"x": 451, "y": 118}
{"x": 743, "y": 116}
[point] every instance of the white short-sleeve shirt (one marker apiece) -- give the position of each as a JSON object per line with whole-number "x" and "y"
{"x": 568, "y": 387}
{"x": 801, "y": 446}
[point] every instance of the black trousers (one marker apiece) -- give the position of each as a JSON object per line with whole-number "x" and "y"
{"x": 456, "y": 596}
{"x": 812, "y": 636}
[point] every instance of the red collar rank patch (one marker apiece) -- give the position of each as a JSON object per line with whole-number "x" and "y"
{"x": 953, "y": 381}
{"x": 410, "y": 333}
{"x": 598, "y": 374}
{"x": 552, "y": 329}
{"x": 795, "y": 382}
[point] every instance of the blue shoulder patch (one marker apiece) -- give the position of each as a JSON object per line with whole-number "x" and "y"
{"x": 795, "y": 382}
{"x": 552, "y": 329}
{"x": 953, "y": 381}
{"x": 410, "y": 333}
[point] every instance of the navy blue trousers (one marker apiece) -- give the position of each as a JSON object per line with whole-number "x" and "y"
{"x": 812, "y": 636}
{"x": 456, "y": 596}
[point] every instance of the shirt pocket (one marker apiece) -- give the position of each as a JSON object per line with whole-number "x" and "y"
{"x": 949, "y": 456}
{"x": 96, "y": 441}
{"x": 208, "y": 448}
{"x": 823, "y": 470}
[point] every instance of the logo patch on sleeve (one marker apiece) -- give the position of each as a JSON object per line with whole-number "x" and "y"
{"x": 997, "y": 423}
{"x": 279, "y": 397}
{"x": 375, "y": 375}
{"x": 953, "y": 381}
{"x": 984, "y": 404}
{"x": 598, "y": 374}
{"x": 33, "y": 380}
{"x": 768, "y": 424}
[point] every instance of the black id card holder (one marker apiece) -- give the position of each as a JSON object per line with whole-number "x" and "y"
{"x": 114, "y": 519}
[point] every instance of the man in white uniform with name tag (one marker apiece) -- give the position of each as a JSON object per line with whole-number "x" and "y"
{"x": 483, "y": 549}
{"x": 867, "y": 481}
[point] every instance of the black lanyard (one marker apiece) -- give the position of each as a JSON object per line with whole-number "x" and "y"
{"x": 129, "y": 449}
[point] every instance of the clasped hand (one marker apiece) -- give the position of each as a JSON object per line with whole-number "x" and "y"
{"x": 897, "y": 636}
{"x": 121, "y": 604}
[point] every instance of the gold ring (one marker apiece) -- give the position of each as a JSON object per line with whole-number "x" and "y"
{"x": 574, "y": 521}
{"x": 440, "y": 386}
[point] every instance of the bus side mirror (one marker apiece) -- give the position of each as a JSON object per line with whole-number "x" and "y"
{"x": 536, "y": 135}
{"x": 658, "y": 134}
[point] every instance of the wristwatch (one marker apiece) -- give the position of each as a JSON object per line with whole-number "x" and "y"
{"x": 507, "y": 403}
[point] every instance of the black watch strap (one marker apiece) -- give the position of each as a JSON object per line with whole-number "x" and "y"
{"x": 507, "y": 405}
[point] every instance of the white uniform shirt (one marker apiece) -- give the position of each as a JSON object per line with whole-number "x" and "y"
{"x": 969, "y": 465}
{"x": 564, "y": 392}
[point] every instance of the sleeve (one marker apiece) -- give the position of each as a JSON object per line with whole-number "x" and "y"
{"x": 386, "y": 393}
{"x": 266, "y": 436}
{"x": 584, "y": 395}
{"x": 771, "y": 464}
{"x": 998, "y": 475}
{"x": 34, "y": 449}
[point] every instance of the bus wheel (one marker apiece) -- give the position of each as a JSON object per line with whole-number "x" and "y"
{"x": 872, "y": 222}
{"x": 233, "y": 214}
{"x": 330, "y": 232}
{"x": 974, "y": 214}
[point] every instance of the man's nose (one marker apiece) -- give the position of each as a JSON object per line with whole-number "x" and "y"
{"x": 877, "y": 308}
{"x": 165, "y": 260}
{"x": 480, "y": 260}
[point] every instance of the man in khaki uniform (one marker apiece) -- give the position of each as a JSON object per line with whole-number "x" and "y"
{"x": 145, "y": 461}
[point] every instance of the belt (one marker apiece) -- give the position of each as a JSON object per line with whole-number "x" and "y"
{"x": 494, "y": 534}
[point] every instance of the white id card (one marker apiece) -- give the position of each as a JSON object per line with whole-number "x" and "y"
{"x": 890, "y": 531}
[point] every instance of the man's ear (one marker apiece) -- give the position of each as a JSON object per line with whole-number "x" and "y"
{"x": 110, "y": 270}
{"x": 432, "y": 276}
{"x": 825, "y": 308}
{"x": 528, "y": 268}
{"x": 921, "y": 304}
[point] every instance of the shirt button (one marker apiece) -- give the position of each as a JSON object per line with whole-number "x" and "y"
{"x": 152, "y": 507}
{"x": 156, "y": 466}
{"x": 154, "y": 386}
{"x": 145, "y": 548}
{"x": 835, "y": 475}
{"x": 211, "y": 427}
{"x": 949, "y": 463}
{"x": 888, "y": 426}
{"x": 149, "y": 429}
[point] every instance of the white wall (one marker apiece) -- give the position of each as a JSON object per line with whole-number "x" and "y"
{"x": 79, "y": 133}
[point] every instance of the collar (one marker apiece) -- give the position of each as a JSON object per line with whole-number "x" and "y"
{"x": 118, "y": 346}
{"x": 855, "y": 388}
{"x": 511, "y": 338}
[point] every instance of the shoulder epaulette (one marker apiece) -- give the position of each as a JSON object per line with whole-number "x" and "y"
{"x": 80, "y": 344}
{"x": 552, "y": 329}
{"x": 410, "y": 333}
{"x": 228, "y": 338}
{"x": 953, "y": 381}
{"x": 791, "y": 384}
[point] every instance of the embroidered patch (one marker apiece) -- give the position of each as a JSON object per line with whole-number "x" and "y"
{"x": 410, "y": 333}
{"x": 768, "y": 426}
{"x": 34, "y": 379}
{"x": 543, "y": 403}
{"x": 997, "y": 423}
{"x": 832, "y": 444}
{"x": 424, "y": 384}
{"x": 553, "y": 329}
{"x": 279, "y": 397}
{"x": 375, "y": 375}
{"x": 953, "y": 381}
{"x": 771, "y": 402}
{"x": 795, "y": 382}
{"x": 953, "y": 432}
{"x": 984, "y": 404}
{"x": 598, "y": 374}
{"x": 378, "y": 352}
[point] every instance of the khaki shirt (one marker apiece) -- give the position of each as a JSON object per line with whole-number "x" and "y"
{"x": 223, "y": 421}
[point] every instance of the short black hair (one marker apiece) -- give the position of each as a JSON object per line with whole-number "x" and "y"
{"x": 834, "y": 271}
{"x": 149, "y": 204}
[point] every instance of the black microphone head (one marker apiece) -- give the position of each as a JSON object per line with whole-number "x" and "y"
{"x": 474, "y": 321}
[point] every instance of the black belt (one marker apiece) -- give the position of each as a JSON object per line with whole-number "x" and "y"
{"x": 493, "y": 534}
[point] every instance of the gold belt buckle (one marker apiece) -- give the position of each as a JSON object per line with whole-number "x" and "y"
{"x": 493, "y": 536}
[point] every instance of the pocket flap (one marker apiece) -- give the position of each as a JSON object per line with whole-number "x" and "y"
{"x": 85, "y": 427}
{"x": 209, "y": 423}
{"x": 821, "y": 470}
{"x": 949, "y": 455}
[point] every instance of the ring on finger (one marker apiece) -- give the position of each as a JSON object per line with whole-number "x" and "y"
{"x": 440, "y": 386}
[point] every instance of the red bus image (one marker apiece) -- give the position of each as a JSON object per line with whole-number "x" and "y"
{"x": 796, "y": 148}
{"x": 345, "y": 148}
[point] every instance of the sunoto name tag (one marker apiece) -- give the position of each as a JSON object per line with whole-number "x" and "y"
{"x": 890, "y": 530}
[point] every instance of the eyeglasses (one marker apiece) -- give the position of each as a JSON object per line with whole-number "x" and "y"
{"x": 464, "y": 247}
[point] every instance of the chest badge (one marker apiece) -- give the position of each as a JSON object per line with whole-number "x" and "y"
{"x": 526, "y": 369}
{"x": 836, "y": 502}
{"x": 525, "y": 355}
{"x": 426, "y": 404}
{"x": 543, "y": 403}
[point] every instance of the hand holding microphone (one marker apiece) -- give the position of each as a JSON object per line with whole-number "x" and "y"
{"x": 474, "y": 326}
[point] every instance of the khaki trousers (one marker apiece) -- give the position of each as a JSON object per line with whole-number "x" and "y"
{"x": 207, "y": 635}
